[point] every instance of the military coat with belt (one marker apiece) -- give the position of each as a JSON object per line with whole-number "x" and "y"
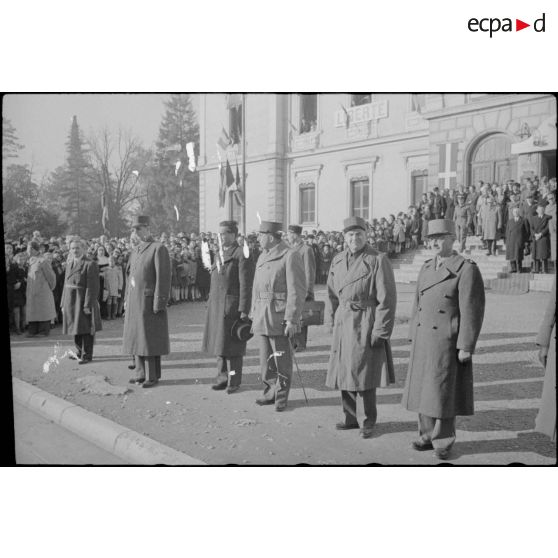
{"x": 540, "y": 249}
{"x": 279, "y": 290}
{"x": 81, "y": 290}
{"x": 146, "y": 328}
{"x": 309, "y": 261}
{"x": 447, "y": 316}
{"x": 363, "y": 299}
{"x": 230, "y": 294}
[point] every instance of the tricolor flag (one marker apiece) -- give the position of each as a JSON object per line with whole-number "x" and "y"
{"x": 238, "y": 192}
{"x": 224, "y": 139}
{"x": 222, "y": 185}
{"x": 447, "y": 165}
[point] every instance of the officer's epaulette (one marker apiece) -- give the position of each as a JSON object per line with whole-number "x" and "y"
{"x": 338, "y": 257}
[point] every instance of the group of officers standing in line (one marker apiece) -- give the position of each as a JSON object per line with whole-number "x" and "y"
{"x": 267, "y": 302}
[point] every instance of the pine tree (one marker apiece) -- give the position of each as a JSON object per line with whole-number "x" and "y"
{"x": 72, "y": 184}
{"x": 173, "y": 184}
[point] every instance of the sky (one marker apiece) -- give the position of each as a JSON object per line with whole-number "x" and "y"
{"x": 42, "y": 121}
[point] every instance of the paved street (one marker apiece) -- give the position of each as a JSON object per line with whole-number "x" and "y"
{"x": 41, "y": 442}
{"x": 184, "y": 413}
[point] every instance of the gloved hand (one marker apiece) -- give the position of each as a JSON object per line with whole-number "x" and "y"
{"x": 291, "y": 329}
{"x": 463, "y": 356}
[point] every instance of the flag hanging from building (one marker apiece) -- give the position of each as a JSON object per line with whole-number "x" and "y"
{"x": 224, "y": 139}
{"x": 233, "y": 100}
{"x": 105, "y": 214}
{"x": 239, "y": 192}
{"x": 447, "y": 165}
{"x": 191, "y": 156}
{"x": 222, "y": 185}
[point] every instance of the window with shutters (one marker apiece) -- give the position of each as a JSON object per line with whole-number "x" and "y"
{"x": 358, "y": 99}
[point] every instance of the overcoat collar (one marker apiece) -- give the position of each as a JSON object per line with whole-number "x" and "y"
{"x": 228, "y": 253}
{"x": 144, "y": 245}
{"x": 449, "y": 268}
{"x": 359, "y": 269}
{"x": 77, "y": 268}
{"x": 277, "y": 252}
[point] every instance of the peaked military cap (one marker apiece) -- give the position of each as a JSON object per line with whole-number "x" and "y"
{"x": 231, "y": 226}
{"x": 140, "y": 221}
{"x": 272, "y": 227}
{"x": 297, "y": 229}
{"x": 351, "y": 223}
{"x": 440, "y": 226}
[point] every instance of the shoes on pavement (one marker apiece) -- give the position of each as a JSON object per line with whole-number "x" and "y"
{"x": 74, "y": 357}
{"x": 220, "y": 386}
{"x": 136, "y": 381}
{"x": 232, "y": 389}
{"x": 441, "y": 453}
{"x": 280, "y": 407}
{"x": 131, "y": 366}
{"x": 345, "y": 426}
{"x": 264, "y": 401}
{"x": 366, "y": 432}
{"x": 84, "y": 360}
{"x": 419, "y": 445}
{"x": 149, "y": 383}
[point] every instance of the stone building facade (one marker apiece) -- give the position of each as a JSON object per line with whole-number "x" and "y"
{"x": 313, "y": 159}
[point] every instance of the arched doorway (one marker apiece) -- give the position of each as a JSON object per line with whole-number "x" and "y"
{"x": 491, "y": 160}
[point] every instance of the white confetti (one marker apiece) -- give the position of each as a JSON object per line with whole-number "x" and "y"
{"x": 168, "y": 402}
{"x": 258, "y": 216}
{"x": 177, "y": 167}
{"x": 177, "y": 214}
{"x": 232, "y": 373}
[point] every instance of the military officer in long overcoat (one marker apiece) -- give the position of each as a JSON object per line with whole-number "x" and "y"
{"x": 362, "y": 293}
{"x": 79, "y": 303}
{"x": 229, "y": 300}
{"x": 278, "y": 295}
{"x": 446, "y": 321}
{"x": 516, "y": 238}
{"x": 463, "y": 219}
{"x": 294, "y": 233}
{"x": 146, "y": 329}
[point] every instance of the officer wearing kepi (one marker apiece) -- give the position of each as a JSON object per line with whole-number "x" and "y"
{"x": 362, "y": 293}
{"x": 446, "y": 322}
{"x": 277, "y": 299}
{"x": 230, "y": 296}
{"x": 463, "y": 219}
{"x": 146, "y": 328}
{"x": 294, "y": 233}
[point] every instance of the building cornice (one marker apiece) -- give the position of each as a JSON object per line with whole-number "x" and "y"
{"x": 484, "y": 104}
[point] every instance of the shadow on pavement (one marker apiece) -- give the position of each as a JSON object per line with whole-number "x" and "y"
{"x": 525, "y": 442}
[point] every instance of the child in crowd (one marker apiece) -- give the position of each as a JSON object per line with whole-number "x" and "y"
{"x": 113, "y": 280}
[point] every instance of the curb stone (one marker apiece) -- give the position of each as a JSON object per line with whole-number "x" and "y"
{"x": 108, "y": 435}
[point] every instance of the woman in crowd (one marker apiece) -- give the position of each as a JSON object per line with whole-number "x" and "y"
{"x": 15, "y": 286}
{"x": 41, "y": 281}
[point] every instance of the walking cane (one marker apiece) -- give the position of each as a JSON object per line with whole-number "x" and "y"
{"x": 297, "y": 369}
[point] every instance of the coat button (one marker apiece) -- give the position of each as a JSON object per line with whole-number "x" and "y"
{"x": 441, "y": 311}
{"x": 434, "y": 327}
{"x": 418, "y": 324}
{"x": 420, "y": 309}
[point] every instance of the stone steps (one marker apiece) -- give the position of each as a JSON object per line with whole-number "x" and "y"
{"x": 542, "y": 282}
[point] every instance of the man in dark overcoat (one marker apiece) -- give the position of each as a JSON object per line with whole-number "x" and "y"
{"x": 516, "y": 237}
{"x": 540, "y": 239}
{"x": 229, "y": 300}
{"x": 81, "y": 316}
{"x": 445, "y": 324}
{"x": 294, "y": 233}
{"x": 146, "y": 328}
{"x": 362, "y": 293}
{"x": 277, "y": 298}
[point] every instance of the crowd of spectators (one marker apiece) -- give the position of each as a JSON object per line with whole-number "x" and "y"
{"x": 35, "y": 266}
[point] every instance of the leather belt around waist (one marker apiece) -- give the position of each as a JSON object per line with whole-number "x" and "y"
{"x": 264, "y": 295}
{"x": 357, "y": 305}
